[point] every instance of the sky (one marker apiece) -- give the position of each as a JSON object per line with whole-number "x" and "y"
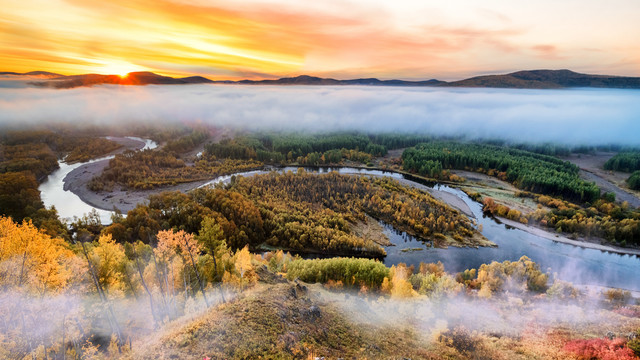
{"x": 258, "y": 39}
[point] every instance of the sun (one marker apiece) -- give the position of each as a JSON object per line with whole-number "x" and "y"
{"x": 120, "y": 68}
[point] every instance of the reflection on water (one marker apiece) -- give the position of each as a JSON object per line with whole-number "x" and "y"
{"x": 572, "y": 263}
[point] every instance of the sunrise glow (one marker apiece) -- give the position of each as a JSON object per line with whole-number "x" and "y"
{"x": 271, "y": 38}
{"x": 119, "y": 68}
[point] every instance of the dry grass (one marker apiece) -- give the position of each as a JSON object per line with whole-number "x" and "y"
{"x": 278, "y": 322}
{"x": 371, "y": 230}
{"x": 280, "y": 319}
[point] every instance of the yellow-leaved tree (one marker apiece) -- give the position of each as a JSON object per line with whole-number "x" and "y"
{"x": 108, "y": 257}
{"x": 32, "y": 260}
{"x": 400, "y": 285}
{"x": 244, "y": 266}
{"x": 187, "y": 247}
{"x": 244, "y": 273}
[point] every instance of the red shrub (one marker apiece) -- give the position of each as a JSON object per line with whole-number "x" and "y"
{"x": 628, "y": 312}
{"x": 600, "y": 349}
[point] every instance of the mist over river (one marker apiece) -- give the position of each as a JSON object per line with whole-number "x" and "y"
{"x": 567, "y": 116}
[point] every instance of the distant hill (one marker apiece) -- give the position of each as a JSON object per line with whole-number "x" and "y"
{"x": 39, "y": 74}
{"x": 532, "y": 79}
{"x": 312, "y": 80}
{"x": 134, "y": 78}
{"x": 549, "y": 79}
{"x": 529, "y": 79}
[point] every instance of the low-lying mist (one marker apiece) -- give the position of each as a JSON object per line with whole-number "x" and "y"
{"x": 508, "y": 315}
{"x": 572, "y": 116}
{"x": 74, "y": 319}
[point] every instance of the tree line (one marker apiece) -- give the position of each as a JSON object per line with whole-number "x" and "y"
{"x": 288, "y": 148}
{"x": 317, "y": 149}
{"x": 634, "y": 180}
{"x": 616, "y": 223}
{"x": 148, "y": 169}
{"x": 628, "y": 161}
{"x": 526, "y": 170}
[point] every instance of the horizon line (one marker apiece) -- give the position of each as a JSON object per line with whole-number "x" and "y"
{"x": 491, "y": 73}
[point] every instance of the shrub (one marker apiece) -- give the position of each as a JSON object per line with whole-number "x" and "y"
{"x": 634, "y": 180}
{"x": 518, "y": 276}
{"x": 459, "y": 339}
{"x": 600, "y": 349}
{"x": 350, "y": 271}
{"x": 617, "y": 296}
{"x": 562, "y": 290}
{"x": 634, "y": 345}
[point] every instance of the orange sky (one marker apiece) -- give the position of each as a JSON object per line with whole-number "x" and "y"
{"x": 403, "y": 39}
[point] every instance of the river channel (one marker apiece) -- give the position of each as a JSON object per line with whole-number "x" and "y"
{"x": 68, "y": 204}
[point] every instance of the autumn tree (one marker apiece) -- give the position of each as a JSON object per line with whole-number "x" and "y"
{"x": 31, "y": 259}
{"x": 211, "y": 237}
{"x": 189, "y": 249}
{"x": 109, "y": 258}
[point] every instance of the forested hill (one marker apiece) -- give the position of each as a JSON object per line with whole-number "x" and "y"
{"x": 134, "y": 78}
{"x": 549, "y": 79}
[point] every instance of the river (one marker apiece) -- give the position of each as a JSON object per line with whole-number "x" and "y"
{"x": 68, "y": 204}
{"x": 576, "y": 264}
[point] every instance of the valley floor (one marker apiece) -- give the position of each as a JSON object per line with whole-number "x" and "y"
{"x": 591, "y": 169}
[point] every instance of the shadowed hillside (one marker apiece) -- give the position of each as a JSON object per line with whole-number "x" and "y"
{"x": 549, "y": 79}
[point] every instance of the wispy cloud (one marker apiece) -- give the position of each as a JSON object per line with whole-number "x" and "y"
{"x": 405, "y": 39}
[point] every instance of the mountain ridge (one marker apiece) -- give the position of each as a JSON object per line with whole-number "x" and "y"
{"x": 549, "y": 79}
{"x": 524, "y": 79}
{"x": 132, "y": 78}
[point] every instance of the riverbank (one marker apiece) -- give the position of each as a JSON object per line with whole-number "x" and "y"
{"x": 76, "y": 181}
{"x": 123, "y": 200}
{"x": 592, "y": 169}
{"x": 583, "y": 243}
{"x": 446, "y": 197}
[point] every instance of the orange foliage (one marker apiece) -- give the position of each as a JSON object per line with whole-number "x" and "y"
{"x": 29, "y": 257}
{"x": 600, "y": 349}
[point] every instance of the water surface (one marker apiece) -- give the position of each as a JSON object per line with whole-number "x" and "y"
{"x": 68, "y": 204}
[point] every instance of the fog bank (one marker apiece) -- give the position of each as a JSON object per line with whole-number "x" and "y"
{"x": 572, "y": 116}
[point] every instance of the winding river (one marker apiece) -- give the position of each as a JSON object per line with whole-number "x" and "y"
{"x": 579, "y": 265}
{"x": 68, "y": 204}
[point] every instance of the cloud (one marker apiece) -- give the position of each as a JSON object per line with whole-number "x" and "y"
{"x": 406, "y": 39}
{"x": 547, "y": 51}
{"x": 577, "y": 116}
